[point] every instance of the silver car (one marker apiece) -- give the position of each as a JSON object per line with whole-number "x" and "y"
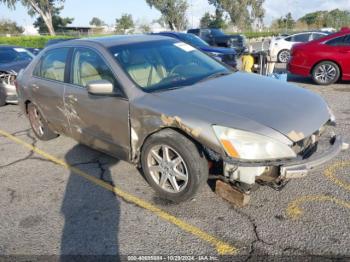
{"x": 179, "y": 114}
{"x": 12, "y": 60}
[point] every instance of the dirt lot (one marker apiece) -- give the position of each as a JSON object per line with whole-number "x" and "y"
{"x": 98, "y": 205}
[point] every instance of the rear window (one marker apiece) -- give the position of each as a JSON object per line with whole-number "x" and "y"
{"x": 339, "y": 41}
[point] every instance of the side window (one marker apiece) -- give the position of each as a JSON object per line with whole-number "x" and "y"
{"x": 302, "y": 38}
{"x": 316, "y": 36}
{"x": 339, "y": 41}
{"x": 52, "y": 65}
{"x": 347, "y": 40}
{"x": 289, "y": 39}
{"x": 89, "y": 66}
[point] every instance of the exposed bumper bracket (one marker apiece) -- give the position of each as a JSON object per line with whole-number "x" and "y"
{"x": 301, "y": 168}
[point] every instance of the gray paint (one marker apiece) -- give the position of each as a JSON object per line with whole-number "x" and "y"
{"x": 120, "y": 125}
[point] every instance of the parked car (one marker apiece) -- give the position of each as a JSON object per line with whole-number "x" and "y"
{"x": 216, "y": 37}
{"x": 163, "y": 105}
{"x": 280, "y": 47}
{"x": 327, "y": 60}
{"x": 226, "y": 55}
{"x": 12, "y": 60}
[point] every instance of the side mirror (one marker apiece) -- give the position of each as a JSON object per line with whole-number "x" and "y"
{"x": 100, "y": 87}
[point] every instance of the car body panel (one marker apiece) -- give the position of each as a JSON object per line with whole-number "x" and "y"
{"x": 306, "y": 56}
{"x": 239, "y": 100}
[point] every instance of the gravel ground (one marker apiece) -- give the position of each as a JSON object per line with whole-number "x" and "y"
{"x": 47, "y": 210}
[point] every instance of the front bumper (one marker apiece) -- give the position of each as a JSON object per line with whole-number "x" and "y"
{"x": 301, "y": 168}
{"x": 294, "y": 168}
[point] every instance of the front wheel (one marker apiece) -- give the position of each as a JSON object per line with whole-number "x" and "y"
{"x": 39, "y": 124}
{"x": 173, "y": 166}
{"x": 326, "y": 73}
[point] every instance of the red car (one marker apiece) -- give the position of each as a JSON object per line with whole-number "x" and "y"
{"x": 326, "y": 59}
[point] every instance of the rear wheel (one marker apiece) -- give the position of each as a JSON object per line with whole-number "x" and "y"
{"x": 173, "y": 166}
{"x": 283, "y": 56}
{"x": 39, "y": 124}
{"x": 326, "y": 73}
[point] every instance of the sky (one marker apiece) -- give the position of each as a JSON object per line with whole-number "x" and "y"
{"x": 109, "y": 10}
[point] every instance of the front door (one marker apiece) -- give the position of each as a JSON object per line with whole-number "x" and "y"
{"x": 97, "y": 120}
{"x": 344, "y": 51}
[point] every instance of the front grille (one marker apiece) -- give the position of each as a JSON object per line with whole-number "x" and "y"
{"x": 8, "y": 78}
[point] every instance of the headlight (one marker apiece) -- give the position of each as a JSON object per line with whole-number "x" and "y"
{"x": 249, "y": 146}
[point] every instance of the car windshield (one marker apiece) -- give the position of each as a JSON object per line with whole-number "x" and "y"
{"x": 9, "y": 55}
{"x": 193, "y": 40}
{"x": 166, "y": 64}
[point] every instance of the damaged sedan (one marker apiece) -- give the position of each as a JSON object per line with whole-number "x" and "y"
{"x": 12, "y": 60}
{"x": 177, "y": 113}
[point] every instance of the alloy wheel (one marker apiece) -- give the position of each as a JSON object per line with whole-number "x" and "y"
{"x": 325, "y": 73}
{"x": 167, "y": 168}
{"x": 284, "y": 56}
{"x": 36, "y": 120}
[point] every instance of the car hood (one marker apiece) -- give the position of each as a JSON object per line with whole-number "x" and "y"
{"x": 293, "y": 111}
{"x": 221, "y": 50}
{"x": 14, "y": 66}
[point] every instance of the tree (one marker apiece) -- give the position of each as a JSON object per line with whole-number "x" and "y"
{"x": 173, "y": 12}
{"x": 284, "y": 23}
{"x": 43, "y": 8}
{"x": 242, "y": 12}
{"x": 145, "y": 28}
{"x": 124, "y": 23}
{"x": 335, "y": 18}
{"x": 10, "y": 27}
{"x": 213, "y": 21}
{"x": 57, "y": 21}
{"x": 95, "y": 21}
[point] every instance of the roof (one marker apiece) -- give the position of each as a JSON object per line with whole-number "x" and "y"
{"x": 115, "y": 40}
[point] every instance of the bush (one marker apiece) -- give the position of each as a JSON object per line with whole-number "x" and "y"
{"x": 28, "y": 41}
{"x": 250, "y": 35}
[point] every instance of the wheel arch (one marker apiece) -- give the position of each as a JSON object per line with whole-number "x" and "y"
{"x": 200, "y": 147}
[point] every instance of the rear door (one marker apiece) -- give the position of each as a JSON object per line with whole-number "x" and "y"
{"x": 100, "y": 121}
{"x": 47, "y": 86}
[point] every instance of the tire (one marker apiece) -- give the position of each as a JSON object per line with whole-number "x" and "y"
{"x": 283, "y": 56}
{"x": 39, "y": 124}
{"x": 191, "y": 164}
{"x": 326, "y": 73}
{"x": 2, "y": 97}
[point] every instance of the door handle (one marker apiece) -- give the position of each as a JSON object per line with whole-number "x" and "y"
{"x": 345, "y": 51}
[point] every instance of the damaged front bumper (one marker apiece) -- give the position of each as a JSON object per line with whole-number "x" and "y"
{"x": 249, "y": 172}
{"x": 8, "y": 88}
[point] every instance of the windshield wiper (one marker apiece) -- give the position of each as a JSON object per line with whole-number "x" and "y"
{"x": 215, "y": 75}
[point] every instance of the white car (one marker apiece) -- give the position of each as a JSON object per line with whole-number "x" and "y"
{"x": 280, "y": 47}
